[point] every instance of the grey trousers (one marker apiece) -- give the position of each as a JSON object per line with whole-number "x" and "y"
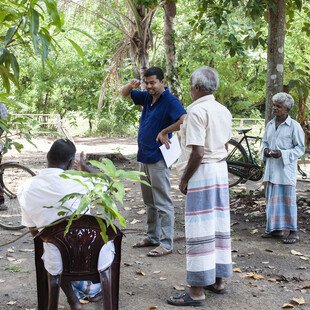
{"x": 159, "y": 206}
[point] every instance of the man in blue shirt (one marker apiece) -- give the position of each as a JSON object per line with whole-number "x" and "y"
{"x": 161, "y": 115}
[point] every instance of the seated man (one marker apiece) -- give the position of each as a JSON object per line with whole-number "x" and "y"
{"x": 46, "y": 189}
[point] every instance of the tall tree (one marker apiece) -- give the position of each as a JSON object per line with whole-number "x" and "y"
{"x": 256, "y": 10}
{"x": 275, "y": 53}
{"x": 170, "y": 50}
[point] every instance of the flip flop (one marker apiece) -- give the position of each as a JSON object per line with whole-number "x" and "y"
{"x": 159, "y": 251}
{"x": 183, "y": 299}
{"x": 211, "y": 288}
{"x": 144, "y": 243}
{"x": 291, "y": 240}
{"x": 272, "y": 235}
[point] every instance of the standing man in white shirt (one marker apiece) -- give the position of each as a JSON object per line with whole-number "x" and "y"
{"x": 204, "y": 180}
{"x": 283, "y": 144}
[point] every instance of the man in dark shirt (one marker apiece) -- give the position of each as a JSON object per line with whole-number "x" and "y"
{"x": 161, "y": 115}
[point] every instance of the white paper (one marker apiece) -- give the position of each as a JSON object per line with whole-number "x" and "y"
{"x": 173, "y": 153}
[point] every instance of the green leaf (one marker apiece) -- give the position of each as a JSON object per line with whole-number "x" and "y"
{"x": 14, "y": 66}
{"x": 77, "y": 48}
{"x": 9, "y": 35}
{"x": 52, "y": 10}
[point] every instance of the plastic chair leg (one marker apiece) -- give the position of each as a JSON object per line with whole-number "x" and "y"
{"x": 54, "y": 285}
{"x": 106, "y": 288}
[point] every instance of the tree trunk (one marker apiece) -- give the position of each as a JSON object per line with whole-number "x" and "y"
{"x": 169, "y": 41}
{"x": 275, "y": 53}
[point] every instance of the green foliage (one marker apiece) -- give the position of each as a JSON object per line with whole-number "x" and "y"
{"x": 12, "y": 268}
{"x": 104, "y": 191}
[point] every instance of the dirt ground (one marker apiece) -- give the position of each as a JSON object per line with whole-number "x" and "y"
{"x": 267, "y": 273}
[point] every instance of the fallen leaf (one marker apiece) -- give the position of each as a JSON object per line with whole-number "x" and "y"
{"x": 139, "y": 262}
{"x": 254, "y": 231}
{"x": 296, "y": 253}
{"x": 287, "y": 306}
{"x": 237, "y": 269}
{"x": 157, "y": 271}
{"x": 265, "y": 262}
{"x": 26, "y": 250}
{"x": 10, "y": 303}
{"x": 152, "y": 307}
{"x": 141, "y": 212}
{"x": 268, "y": 250}
{"x": 11, "y": 259}
{"x": 279, "y": 278}
{"x": 2, "y": 281}
{"x": 260, "y": 202}
{"x": 179, "y": 287}
{"x": 162, "y": 278}
{"x": 84, "y": 302}
{"x": 140, "y": 273}
{"x": 298, "y": 301}
{"x": 252, "y": 284}
{"x": 307, "y": 287}
{"x": 127, "y": 189}
{"x": 304, "y": 258}
{"x": 252, "y": 275}
{"x": 127, "y": 208}
{"x": 127, "y": 264}
{"x": 130, "y": 293}
{"x": 10, "y": 250}
{"x": 134, "y": 221}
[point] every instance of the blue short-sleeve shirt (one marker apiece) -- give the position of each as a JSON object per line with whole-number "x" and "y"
{"x": 163, "y": 113}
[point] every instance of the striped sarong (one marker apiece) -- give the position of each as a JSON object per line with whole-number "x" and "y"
{"x": 281, "y": 207}
{"x": 207, "y": 225}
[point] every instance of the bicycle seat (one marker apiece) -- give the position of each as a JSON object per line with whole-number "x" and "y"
{"x": 243, "y": 130}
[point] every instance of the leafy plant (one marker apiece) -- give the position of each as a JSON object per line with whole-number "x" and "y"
{"x": 13, "y": 268}
{"x": 104, "y": 191}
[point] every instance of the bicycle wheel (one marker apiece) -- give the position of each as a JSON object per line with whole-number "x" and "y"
{"x": 12, "y": 175}
{"x": 236, "y": 154}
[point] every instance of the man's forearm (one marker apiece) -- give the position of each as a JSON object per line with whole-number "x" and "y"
{"x": 175, "y": 126}
{"x": 194, "y": 161}
{"x": 126, "y": 90}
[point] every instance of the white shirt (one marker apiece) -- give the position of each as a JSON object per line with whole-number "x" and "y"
{"x": 208, "y": 124}
{"x": 45, "y": 190}
{"x": 289, "y": 138}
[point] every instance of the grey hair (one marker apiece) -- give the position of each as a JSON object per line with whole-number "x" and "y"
{"x": 285, "y": 99}
{"x": 206, "y": 78}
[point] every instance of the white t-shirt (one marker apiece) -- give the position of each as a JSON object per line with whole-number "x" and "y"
{"x": 208, "y": 123}
{"x": 45, "y": 190}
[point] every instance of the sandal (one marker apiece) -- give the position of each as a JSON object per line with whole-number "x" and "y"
{"x": 183, "y": 299}
{"x": 291, "y": 240}
{"x": 211, "y": 288}
{"x": 159, "y": 251}
{"x": 144, "y": 243}
{"x": 275, "y": 235}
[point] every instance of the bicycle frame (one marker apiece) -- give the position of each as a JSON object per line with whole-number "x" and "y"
{"x": 245, "y": 167}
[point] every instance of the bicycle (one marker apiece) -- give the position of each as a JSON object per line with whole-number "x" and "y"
{"x": 242, "y": 165}
{"x": 12, "y": 174}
